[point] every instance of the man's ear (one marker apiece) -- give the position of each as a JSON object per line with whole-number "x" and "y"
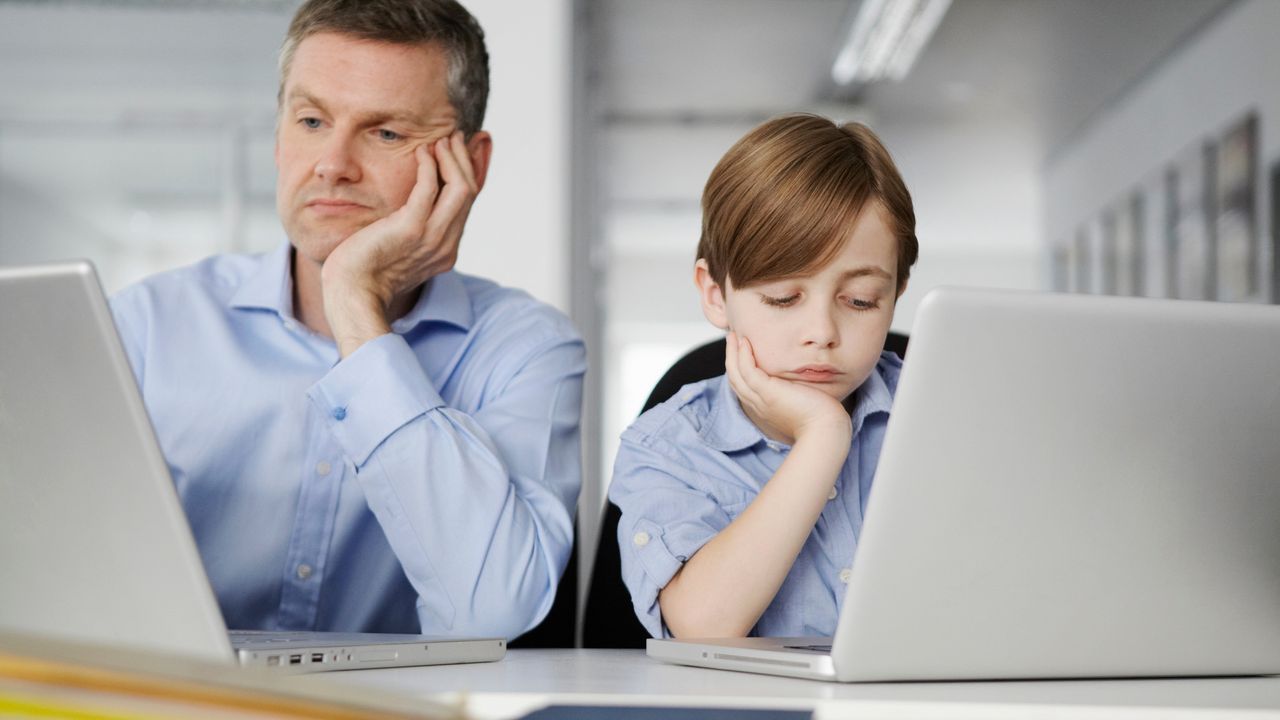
{"x": 711, "y": 295}
{"x": 480, "y": 149}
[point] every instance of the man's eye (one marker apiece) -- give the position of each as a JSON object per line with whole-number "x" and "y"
{"x": 310, "y": 123}
{"x": 389, "y": 135}
{"x": 779, "y": 301}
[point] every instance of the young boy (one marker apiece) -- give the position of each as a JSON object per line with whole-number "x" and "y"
{"x": 742, "y": 496}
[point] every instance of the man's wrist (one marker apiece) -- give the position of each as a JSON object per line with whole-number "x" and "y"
{"x": 355, "y": 316}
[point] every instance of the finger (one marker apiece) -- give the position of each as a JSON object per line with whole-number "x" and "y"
{"x": 734, "y": 369}
{"x": 423, "y": 196}
{"x": 452, "y": 156}
{"x": 759, "y": 381}
{"x": 463, "y": 155}
{"x": 455, "y": 197}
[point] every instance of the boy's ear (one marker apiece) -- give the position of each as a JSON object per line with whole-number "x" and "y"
{"x": 711, "y": 295}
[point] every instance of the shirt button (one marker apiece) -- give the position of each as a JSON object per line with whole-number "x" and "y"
{"x": 845, "y": 574}
{"x": 340, "y": 414}
{"x": 322, "y": 468}
{"x": 640, "y": 539}
{"x": 304, "y": 571}
{"x": 834, "y": 492}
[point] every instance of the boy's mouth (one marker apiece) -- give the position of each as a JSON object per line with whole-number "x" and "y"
{"x": 817, "y": 373}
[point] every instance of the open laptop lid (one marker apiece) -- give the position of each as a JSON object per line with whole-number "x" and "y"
{"x": 94, "y": 546}
{"x": 1074, "y": 486}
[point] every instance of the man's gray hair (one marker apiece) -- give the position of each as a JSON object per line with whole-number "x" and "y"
{"x": 406, "y": 22}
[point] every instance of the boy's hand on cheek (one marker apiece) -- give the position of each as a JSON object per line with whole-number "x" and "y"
{"x": 783, "y": 409}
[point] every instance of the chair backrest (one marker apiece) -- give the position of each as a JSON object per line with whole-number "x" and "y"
{"x": 608, "y": 618}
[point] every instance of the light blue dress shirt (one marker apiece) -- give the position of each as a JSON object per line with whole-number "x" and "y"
{"x": 690, "y": 466}
{"x": 425, "y": 483}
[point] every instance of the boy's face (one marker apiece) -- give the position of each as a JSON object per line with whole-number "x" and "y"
{"x": 827, "y": 329}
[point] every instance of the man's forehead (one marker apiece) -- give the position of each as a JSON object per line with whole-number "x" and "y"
{"x": 408, "y": 81}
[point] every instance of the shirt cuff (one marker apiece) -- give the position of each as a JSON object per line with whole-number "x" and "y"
{"x": 656, "y": 565}
{"x": 371, "y": 393}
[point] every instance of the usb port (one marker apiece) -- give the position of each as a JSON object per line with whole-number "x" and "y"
{"x": 317, "y": 657}
{"x": 295, "y": 659}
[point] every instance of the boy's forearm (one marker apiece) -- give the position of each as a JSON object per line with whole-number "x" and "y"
{"x": 724, "y": 588}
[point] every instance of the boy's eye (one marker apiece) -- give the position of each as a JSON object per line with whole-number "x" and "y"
{"x": 779, "y": 301}
{"x": 859, "y": 304}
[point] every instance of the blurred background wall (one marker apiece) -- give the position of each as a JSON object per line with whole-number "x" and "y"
{"x": 1118, "y": 146}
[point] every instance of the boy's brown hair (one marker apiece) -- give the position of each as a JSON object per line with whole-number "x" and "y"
{"x": 783, "y": 199}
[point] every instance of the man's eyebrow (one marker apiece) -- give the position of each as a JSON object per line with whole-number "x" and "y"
{"x": 376, "y": 118}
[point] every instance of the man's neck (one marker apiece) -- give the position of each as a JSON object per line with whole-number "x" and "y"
{"x": 308, "y": 296}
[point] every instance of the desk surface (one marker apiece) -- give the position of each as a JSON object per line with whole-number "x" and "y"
{"x": 628, "y": 676}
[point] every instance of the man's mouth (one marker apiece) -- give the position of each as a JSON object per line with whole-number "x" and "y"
{"x": 334, "y": 206}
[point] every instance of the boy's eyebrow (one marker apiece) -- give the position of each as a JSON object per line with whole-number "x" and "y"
{"x": 864, "y": 271}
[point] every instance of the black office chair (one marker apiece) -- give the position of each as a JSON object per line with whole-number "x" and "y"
{"x": 608, "y": 618}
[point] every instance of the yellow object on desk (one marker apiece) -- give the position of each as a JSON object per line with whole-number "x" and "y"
{"x": 47, "y": 678}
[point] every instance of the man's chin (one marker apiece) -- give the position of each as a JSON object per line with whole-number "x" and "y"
{"x": 317, "y": 247}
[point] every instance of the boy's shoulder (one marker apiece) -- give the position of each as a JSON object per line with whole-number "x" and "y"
{"x": 889, "y": 368}
{"x": 680, "y": 418}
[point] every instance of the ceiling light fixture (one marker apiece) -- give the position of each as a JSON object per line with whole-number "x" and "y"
{"x": 885, "y": 38}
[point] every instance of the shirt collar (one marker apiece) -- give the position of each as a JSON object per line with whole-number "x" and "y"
{"x": 729, "y": 429}
{"x": 443, "y": 299}
{"x": 270, "y": 287}
{"x": 872, "y": 397}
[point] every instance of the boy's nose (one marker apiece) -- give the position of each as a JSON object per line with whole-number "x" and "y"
{"x": 820, "y": 329}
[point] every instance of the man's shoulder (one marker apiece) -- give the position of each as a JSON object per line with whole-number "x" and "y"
{"x": 214, "y": 279}
{"x": 511, "y": 311}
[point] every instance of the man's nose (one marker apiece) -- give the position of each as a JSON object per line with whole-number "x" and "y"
{"x": 820, "y": 327}
{"x": 337, "y": 161}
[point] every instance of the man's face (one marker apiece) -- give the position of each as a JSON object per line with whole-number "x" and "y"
{"x": 826, "y": 329}
{"x": 351, "y": 115}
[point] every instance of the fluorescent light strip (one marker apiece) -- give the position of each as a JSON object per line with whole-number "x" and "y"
{"x": 885, "y": 38}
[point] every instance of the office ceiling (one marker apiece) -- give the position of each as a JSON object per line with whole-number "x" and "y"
{"x": 1052, "y": 64}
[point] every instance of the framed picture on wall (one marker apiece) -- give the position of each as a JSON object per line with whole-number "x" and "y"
{"x": 1082, "y": 261}
{"x": 1239, "y": 272}
{"x": 1275, "y": 232}
{"x": 1108, "y": 257}
{"x": 1131, "y": 244}
{"x": 1060, "y": 266}
{"x": 1188, "y": 242}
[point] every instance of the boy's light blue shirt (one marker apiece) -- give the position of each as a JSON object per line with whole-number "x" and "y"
{"x": 424, "y": 483}
{"x": 690, "y": 466}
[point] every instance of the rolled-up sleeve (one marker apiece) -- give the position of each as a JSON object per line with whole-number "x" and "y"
{"x": 667, "y": 516}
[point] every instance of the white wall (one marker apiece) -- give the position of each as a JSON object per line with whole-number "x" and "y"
{"x": 519, "y": 229}
{"x": 1225, "y": 71}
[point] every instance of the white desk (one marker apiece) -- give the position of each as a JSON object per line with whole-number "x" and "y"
{"x": 527, "y": 679}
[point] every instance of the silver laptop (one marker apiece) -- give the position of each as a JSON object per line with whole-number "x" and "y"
{"x": 94, "y": 545}
{"x": 1069, "y": 487}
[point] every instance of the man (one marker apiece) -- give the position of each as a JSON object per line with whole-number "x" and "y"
{"x": 363, "y": 439}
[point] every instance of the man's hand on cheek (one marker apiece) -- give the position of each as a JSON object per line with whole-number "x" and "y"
{"x": 783, "y": 409}
{"x": 392, "y": 256}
